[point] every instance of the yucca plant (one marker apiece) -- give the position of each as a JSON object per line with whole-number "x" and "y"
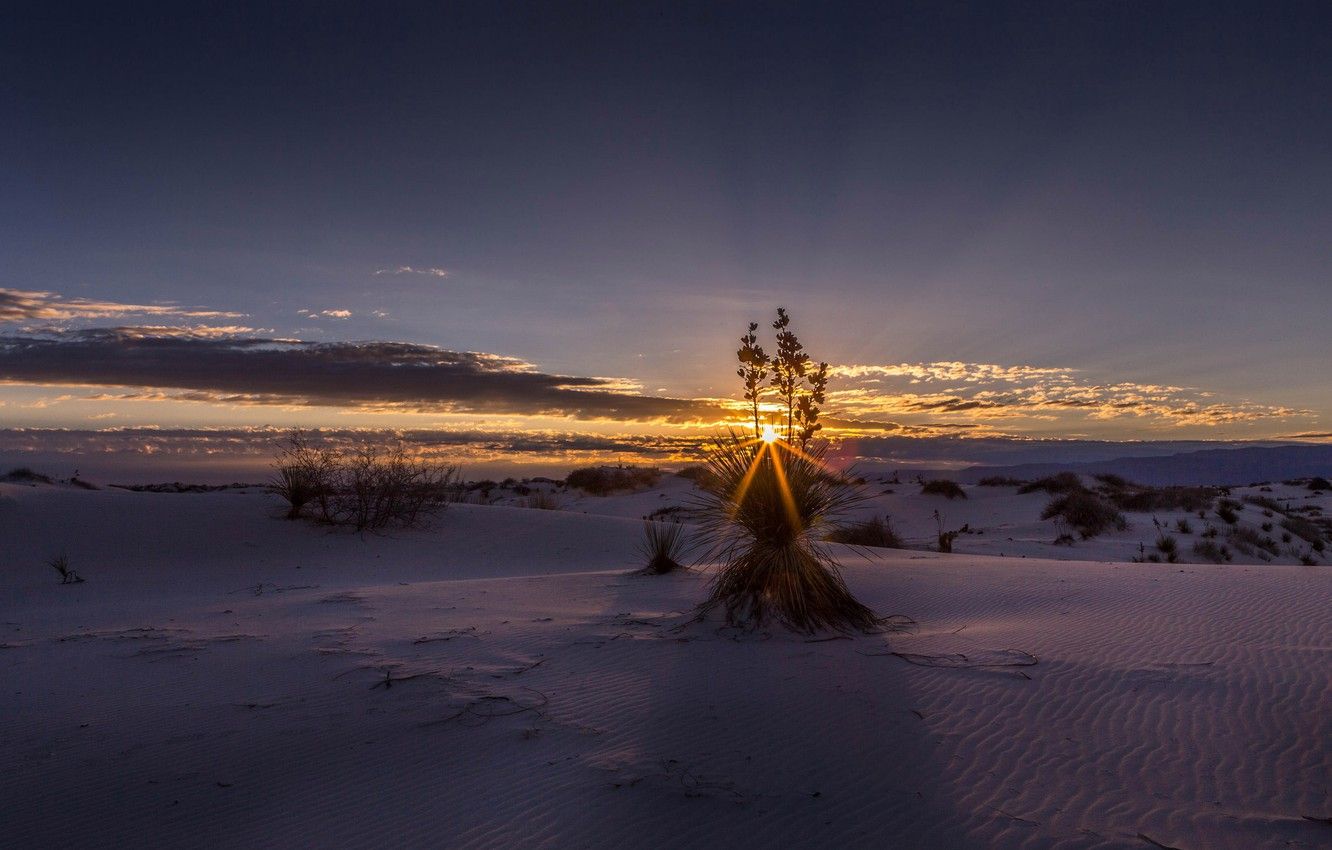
{"x": 663, "y": 546}
{"x": 764, "y": 508}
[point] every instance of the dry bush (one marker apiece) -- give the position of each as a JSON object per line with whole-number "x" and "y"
{"x": 943, "y": 487}
{"x": 1319, "y": 483}
{"x": 379, "y": 486}
{"x": 875, "y": 532}
{"x": 762, "y": 515}
{"x": 1088, "y": 513}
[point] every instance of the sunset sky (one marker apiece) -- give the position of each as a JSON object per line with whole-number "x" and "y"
{"x": 545, "y": 232}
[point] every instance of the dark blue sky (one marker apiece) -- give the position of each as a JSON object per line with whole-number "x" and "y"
{"x": 1141, "y": 192}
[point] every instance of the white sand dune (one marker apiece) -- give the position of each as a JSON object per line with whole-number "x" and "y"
{"x": 227, "y": 679}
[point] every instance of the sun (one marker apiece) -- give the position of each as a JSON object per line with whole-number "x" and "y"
{"x": 769, "y": 434}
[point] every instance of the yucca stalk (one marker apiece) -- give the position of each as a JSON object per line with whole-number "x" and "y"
{"x": 762, "y": 512}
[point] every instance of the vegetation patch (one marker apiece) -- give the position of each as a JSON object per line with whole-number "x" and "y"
{"x": 943, "y": 487}
{"x": 1086, "y": 512}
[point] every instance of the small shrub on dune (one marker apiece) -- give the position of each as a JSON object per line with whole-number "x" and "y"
{"x": 1183, "y": 526}
{"x": 1251, "y": 543}
{"x": 1139, "y": 499}
{"x": 943, "y": 487}
{"x": 542, "y": 501}
{"x": 663, "y": 546}
{"x": 875, "y": 532}
{"x": 1168, "y": 547}
{"x": 696, "y": 473}
{"x": 1319, "y": 483}
{"x": 24, "y": 475}
{"x": 1063, "y": 482}
{"x": 1307, "y": 531}
{"x": 1088, "y": 513}
{"x": 764, "y": 511}
{"x": 1209, "y": 550}
{"x": 1228, "y": 511}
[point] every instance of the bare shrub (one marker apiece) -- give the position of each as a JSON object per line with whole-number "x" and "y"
{"x": 943, "y": 487}
{"x": 875, "y": 532}
{"x": 367, "y": 487}
{"x": 379, "y": 486}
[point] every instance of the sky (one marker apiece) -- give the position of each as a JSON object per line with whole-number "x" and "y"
{"x": 531, "y": 228}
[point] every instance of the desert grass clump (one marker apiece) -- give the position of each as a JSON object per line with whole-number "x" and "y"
{"x": 1168, "y": 547}
{"x": 1088, "y": 513}
{"x": 60, "y": 563}
{"x": 943, "y": 487}
{"x": 663, "y": 547}
{"x": 875, "y": 532}
{"x": 763, "y": 511}
{"x": 1319, "y": 484}
{"x": 1209, "y": 550}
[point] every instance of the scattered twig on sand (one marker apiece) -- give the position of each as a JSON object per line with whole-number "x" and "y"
{"x": 827, "y": 639}
{"x": 482, "y": 710}
{"x": 1016, "y": 818}
{"x": 390, "y": 679}
{"x": 1316, "y": 819}
{"x": 470, "y": 631}
{"x": 957, "y": 660}
{"x": 1154, "y": 842}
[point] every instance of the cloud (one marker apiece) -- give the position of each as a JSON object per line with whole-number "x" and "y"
{"x": 326, "y": 314}
{"x": 429, "y": 272}
{"x": 379, "y": 375}
{"x": 18, "y": 305}
{"x": 989, "y": 391}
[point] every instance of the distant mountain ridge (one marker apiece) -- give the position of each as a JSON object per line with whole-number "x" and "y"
{"x": 1209, "y": 466}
